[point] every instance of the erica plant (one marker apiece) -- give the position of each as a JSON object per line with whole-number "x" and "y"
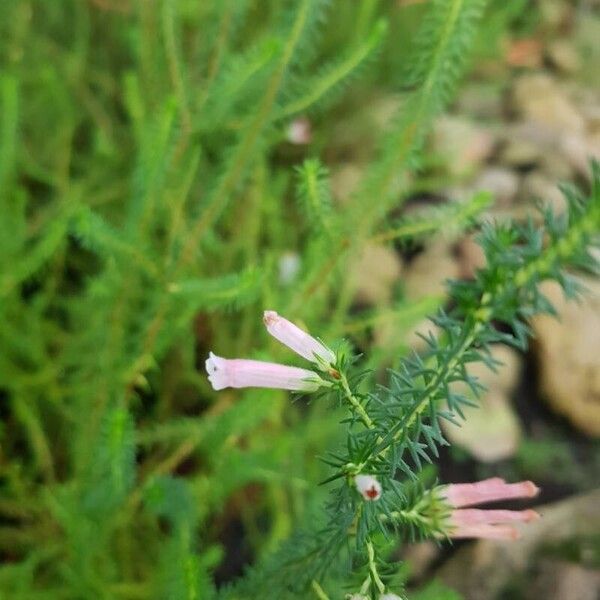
{"x": 168, "y": 176}
{"x": 392, "y": 429}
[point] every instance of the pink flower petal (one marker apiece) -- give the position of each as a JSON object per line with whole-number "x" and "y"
{"x": 242, "y": 373}
{"x": 488, "y": 490}
{"x": 475, "y": 516}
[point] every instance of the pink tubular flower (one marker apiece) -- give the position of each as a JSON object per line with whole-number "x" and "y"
{"x": 488, "y": 490}
{"x": 492, "y": 524}
{"x": 241, "y": 373}
{"x": 298, "y": 340}
{"x": 480, "y": 523}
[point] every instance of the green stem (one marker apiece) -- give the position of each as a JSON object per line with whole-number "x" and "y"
{"x": 353, "y": 400}
{"x": 318, "y": 590}
{"x": 375, "y": 578}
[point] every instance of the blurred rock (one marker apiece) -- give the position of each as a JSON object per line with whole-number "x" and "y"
{"x": 561, "y": 580}
{"x": 420, "y": 557}
{"x": 539, "y": 188}
{"x": 538, "y": 97}
{"x": 492, "y": 431}
{"x": 525, "y": 52}
{"x": 462, "y": 144}
{"x": 470, "y": 257}
{"x": 578, "y": 150}
{"x": 480, "y": 570}
{"x": 501, "y": 182}
{"x": 563, "y": 55}
{"x": 427, "y": 272}
{"x": 344, "y": 182}
{"x": 480, "y": 101}
{"x": 375, "y": 272}
{"x": 520, "y": 152}
{"x": 588, "y": 103}
{"x": 426, "y": 275}
{"x": 533, "y": 144}
{"x": 382, "y": 110}
{"x": 567, "y": 354}
{"x": 554, "y": 14}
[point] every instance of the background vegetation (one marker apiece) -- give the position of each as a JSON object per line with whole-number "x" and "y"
{"x": 152, "y": 204}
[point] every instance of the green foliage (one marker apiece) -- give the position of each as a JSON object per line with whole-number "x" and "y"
{"x": 437, "y": 591}
{"x": 313, "y": 192}
{"x": 148, "y": 200}
{"x": 331, "y": 79}
{"x": 450, "y": 219}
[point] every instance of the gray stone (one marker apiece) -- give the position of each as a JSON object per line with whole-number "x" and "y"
{"x": 561, "y": 580}
{"x": 462, "y": 144}
{"x": 563, "y": 55}
{"x": 374, "y": 273}
{"x": 538, "y": 97}
{"x": 536, "y": 187}
{"x": 566, "y": 350}
{"x": 501, "y": 182}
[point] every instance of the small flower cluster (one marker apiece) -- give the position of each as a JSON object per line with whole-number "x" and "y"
{"x": 445, "y": 510}
{"x": 472, "y": 522}
{"x": 243, "y": 373}
{"x": 483, "y": 523}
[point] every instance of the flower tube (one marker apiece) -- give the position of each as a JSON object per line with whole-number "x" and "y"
{"x": 488, "y": 490}
{"x": 242, "y": 373}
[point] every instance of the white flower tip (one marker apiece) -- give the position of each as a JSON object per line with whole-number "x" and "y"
{"x": 216, "y": 367}
{"x": 368, "y": 486}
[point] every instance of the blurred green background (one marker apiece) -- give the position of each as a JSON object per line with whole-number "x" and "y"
{"x": 169, "y": 169}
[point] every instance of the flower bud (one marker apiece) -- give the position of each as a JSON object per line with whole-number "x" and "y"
{"x": 368, "y": 486}
{"x": 298, "y": 340}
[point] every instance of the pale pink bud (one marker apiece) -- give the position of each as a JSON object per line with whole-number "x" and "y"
{"x": 368, "y": 486}
{"x": 299, "y": 131}
{"x": 390, "y": 597}
{"x": 298, "y": 340}
{"x": 241, "y": 373}
{"x": 488, "y": 490}
{"x": 480, "y": 523}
